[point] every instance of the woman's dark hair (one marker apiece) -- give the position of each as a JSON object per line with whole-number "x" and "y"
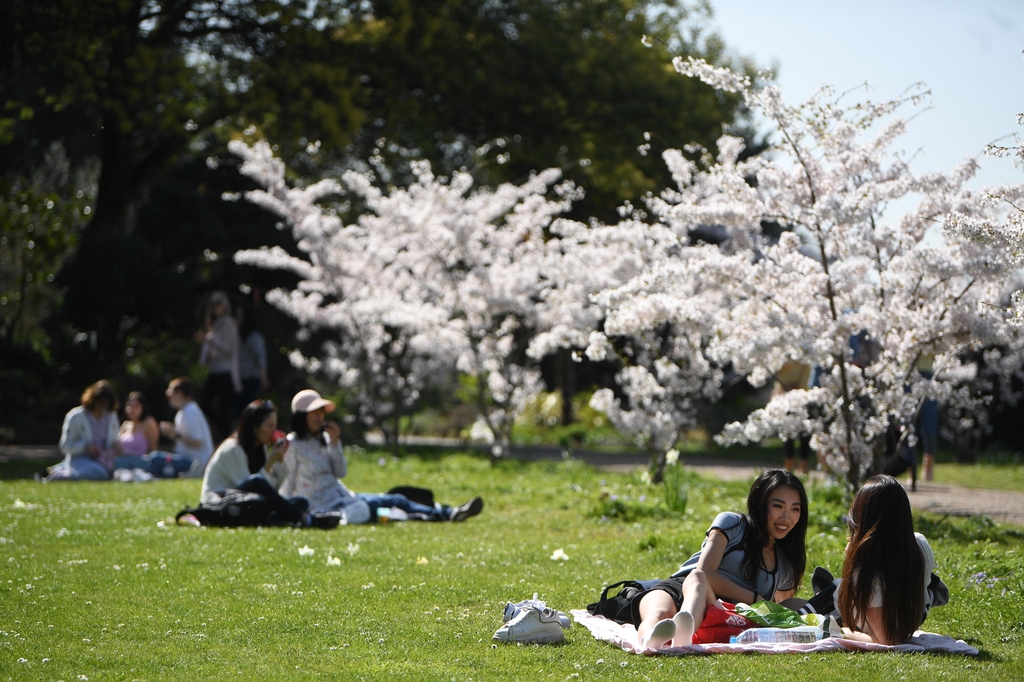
{"x": 137, "y": 395}
{"x": 882, "y": 552}
{"x": 250, "y": 321}
{"x": 101, "y": 390}
{"x": 299, "y": 426}
{"x": 252, "y": 416}
{"x": 756, "y": 538}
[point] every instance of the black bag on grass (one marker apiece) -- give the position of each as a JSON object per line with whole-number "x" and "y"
{"x": 618, "y": 608}
{"x": 230, "y": 508}
{"x": 417, "y": 495}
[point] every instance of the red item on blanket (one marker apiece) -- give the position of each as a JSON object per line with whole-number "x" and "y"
{"x": 721, "y": 624}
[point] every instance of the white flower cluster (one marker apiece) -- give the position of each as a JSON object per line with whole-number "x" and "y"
{"x": 441, "y": 277}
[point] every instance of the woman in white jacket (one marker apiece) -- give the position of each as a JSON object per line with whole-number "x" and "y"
{"x": 242, "y": 462}
{"x": 316, "y": 464}
{"x": 88, "y": 438}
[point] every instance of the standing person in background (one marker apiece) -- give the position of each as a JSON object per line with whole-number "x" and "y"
{"x": 794, "y": 375}
{"x": 928, "y": 419}
{"x": 252, "y": 358}
{"x": 220, "y": 356}
{"x": 190, "y": 432}
{"x": 88, "y": 438}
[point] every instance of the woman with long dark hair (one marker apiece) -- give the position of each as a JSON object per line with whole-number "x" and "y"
{"x": 884, "y": 594}
{"x": 251, "y": 460}
{"x": 747, "y": 558}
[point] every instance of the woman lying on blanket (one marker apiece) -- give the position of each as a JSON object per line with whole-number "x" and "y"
{"x": 884, "y": 595}
{"x": 744, "y": 558}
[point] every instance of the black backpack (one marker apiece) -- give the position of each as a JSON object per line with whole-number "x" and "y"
{"x": 230, "y": 508}
{"x": 619, "y": 607}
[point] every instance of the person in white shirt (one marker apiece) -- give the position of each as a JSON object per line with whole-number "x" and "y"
{"x": 88, "y": 438}
{"x": 251, "y": 460}
{"x": 190, "y": 431}
{"x": 884, "y": 595}
{"x": 315, "y": 464}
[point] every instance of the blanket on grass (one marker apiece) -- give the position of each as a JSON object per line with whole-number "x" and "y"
{"x": 624, "y": 637}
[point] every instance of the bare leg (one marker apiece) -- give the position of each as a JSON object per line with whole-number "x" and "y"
{"x": 655, "y": 607}
{"x": 929, "y": 464}
{"x": 697, "y": 593}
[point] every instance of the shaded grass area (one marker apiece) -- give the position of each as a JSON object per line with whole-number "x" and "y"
{"x": 995, "y": 469}
{"x": 93, "y": 584}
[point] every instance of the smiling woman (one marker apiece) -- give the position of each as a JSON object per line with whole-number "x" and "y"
{"x": 748, "y": 557}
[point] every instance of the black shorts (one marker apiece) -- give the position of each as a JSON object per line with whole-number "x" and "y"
{"x": 673, "y": 587}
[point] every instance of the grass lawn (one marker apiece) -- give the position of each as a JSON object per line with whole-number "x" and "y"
{"x": 994, "y": 469}
{"x": 97, "y": 583}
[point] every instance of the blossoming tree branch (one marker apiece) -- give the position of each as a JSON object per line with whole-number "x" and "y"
{"x": 440, "y": 278}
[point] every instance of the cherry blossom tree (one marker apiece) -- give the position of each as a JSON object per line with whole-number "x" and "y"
{"x": 428, "y": 280}
{"x": 844, "y": 267}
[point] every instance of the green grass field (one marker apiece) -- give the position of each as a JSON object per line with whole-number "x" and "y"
{"x": 97, "y": 583}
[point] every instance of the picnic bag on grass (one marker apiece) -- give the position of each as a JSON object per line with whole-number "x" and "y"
{"x": 617, "y": 608}
{"x": 230, "y": 508}
{"x": 720, "y": 624}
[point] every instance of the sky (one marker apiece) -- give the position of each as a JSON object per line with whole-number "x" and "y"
{"x": 968, "y": 53}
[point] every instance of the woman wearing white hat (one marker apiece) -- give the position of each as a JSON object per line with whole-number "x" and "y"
{"x": 316, "y": 462}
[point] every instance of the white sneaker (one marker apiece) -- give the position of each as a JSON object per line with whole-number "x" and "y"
{"x": 532, "y": 626}
{"x": 512, "y": 610}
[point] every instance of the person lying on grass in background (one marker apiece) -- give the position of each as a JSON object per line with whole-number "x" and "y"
{"x": 884, "y": 595}
{"x": 251, "y": 460}
{"x": 746, "y": 558}
{"x": 315, "y": 463}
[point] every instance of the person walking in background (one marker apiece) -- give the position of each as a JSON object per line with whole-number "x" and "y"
{"x": 220, "y": 356}
{"x": 928, "y": 419}
{"x": 794, "y": 375}
{"x": 190, "y": 431}
{"x": 252, "y": 358}
{"x": 88, "y": 438}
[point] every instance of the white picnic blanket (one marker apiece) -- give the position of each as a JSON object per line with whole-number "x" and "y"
{"x": 624, "y": 637}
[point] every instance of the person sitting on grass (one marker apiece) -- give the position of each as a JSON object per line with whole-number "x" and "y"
{"x": 88, "y": 438}
{"x": 139, "y": 436}
{"x": 884, "y": 595}
{"x": 315, "y": 464}
{"x": 190, "y": 431}
{"x": 746, "y": 558}
{"x": 251, "y": 460}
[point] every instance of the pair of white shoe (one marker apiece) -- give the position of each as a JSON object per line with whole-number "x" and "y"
{"x": 678, "y": 629}
{"x": 531, "y": 621}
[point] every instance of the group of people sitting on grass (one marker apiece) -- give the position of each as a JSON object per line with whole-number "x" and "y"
{"x": 887, "y": 584}
{"x": 298, "y": 474}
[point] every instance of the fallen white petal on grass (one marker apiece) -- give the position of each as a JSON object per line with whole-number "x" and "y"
{"x": 352, "y": 549}
{"x": 333, "y": 561}
{"x": 559, "y": 555}
{"x": 306, "y": 550}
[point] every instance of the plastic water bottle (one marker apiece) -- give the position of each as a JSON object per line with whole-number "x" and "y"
{"x": 803, "y": 634}
{"x": 168, "y": 468}
{"x": 383, "y": 514}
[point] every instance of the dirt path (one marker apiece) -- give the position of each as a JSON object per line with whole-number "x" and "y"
{"x": 1000, "y": 505}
